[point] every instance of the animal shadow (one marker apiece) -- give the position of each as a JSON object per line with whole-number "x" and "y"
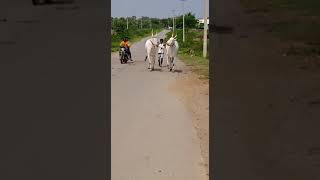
{"x": 178, "y": 71}
{"x": 156, "y": 69}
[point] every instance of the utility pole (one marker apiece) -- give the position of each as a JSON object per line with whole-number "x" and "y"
{"x": 205, "y": 29}
{"x": 141, "y": 24}
{"x": 173, "y": 23}
{"x": 150, "y": 23}
{"x": 183, "y": 31}
{"x": 127, "y": 22}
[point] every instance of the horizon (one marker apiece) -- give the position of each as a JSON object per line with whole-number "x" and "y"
{"x": 139, "y": 8}
{"x": 139, "y": 17}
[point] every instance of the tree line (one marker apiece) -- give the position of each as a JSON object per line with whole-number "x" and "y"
{"x": 119, "y": 24}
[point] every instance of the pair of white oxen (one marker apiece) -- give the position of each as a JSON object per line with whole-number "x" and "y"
{"x": 172, "y": 48}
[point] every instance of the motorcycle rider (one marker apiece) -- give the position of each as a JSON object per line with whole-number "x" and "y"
{"x": 125, "y": 44}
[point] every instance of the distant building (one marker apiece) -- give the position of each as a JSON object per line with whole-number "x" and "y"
{"x": 201, "y": 21}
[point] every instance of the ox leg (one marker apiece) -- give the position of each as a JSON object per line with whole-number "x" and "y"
{"x": 149, "y": 62}
{"x": 153, "y": 62}
{"x": 168, "y": 61}
{"x": 173, "y": 64}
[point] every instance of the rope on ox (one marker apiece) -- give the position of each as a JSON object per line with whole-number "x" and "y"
{"x": 154, "y": 45}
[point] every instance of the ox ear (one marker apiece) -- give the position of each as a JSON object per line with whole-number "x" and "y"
{"x": 175, "y": 37}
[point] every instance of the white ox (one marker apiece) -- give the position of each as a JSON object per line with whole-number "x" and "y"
{"x": 172, "y": 48}
{"x": 151, "y": 49}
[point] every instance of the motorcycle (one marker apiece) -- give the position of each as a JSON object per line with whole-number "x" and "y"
{"x": 123, "y": 55}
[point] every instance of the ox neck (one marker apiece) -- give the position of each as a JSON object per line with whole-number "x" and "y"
{"x": 152, "y": 42}
{"x": 171, "y": 45}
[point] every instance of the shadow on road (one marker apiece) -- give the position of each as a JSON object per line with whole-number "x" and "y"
{"x": 159, "y": 70}
{"x": 167, "y": 70}
{"x": 178, "y": 71}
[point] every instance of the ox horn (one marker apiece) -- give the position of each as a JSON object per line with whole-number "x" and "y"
{"x": 152, "y": 33}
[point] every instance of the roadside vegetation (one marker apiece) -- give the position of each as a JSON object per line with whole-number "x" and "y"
{"x": 138, "y": 28}
{"x": 190, "y": 51}
{"x": 295, "y": 22}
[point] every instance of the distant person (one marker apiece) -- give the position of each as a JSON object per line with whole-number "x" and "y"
{"x": 161, "y": 52}
{"x": 125, "y": 44}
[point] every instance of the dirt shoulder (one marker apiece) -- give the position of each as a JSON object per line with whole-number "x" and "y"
{"x": 194, "y": 92}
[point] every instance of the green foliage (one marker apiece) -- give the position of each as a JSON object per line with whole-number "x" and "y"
{"x": 138, "y": 28}
{"x": 189, "y": 19}
{"x": 190, "y": 51}
{"x": 193, "y": 44}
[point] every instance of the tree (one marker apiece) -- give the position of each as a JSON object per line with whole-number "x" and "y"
{"x": 189, "y": 19}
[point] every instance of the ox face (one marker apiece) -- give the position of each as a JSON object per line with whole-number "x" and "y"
{"x": 154, "y": 42}
{"x": 171, "y": 41}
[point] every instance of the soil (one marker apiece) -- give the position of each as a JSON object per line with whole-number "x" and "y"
{"x": 194, "y": 92}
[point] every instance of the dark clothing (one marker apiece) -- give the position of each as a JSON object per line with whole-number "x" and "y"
{"x": 129, "y": 52}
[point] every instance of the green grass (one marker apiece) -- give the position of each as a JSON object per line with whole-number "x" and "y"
{"x": 293, "y": 21}
{"x": 199, "y": 65}
{"x": 134, "y": 35}
{"x": 190, "y": 51}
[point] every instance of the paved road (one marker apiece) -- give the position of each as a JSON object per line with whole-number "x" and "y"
{"x": 152, "y": 132}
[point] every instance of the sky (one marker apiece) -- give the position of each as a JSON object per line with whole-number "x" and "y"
{"x": 155, "y": 8}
